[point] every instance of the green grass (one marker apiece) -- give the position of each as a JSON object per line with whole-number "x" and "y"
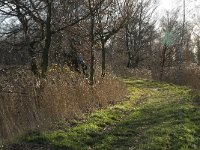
{"x": 158, "y": 116}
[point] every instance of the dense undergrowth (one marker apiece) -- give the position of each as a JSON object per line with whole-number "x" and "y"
{"x": 29, "y": 103}
{"x": 157, "y": 116}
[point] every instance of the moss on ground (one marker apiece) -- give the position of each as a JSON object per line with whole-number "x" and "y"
{"x": 157, "y": 116}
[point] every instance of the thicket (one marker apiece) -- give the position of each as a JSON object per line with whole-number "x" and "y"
{"x": 29, "y": 103}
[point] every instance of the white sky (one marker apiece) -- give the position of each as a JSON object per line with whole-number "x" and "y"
{"x": 192, "y": 9}
{"x": 192, "y": 6}
{"x": 166, "y": 4}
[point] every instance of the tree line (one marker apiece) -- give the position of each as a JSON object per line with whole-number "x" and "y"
{"x": 43, "y": 30}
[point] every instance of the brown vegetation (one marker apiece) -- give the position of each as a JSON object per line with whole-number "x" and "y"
{"x": 190, "y": 75}
{"x": 30, "y": 103}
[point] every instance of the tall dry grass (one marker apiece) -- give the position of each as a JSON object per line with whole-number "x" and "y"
{"x": 190, "y": 72}
{"x": 190, "y": 75}
{"x": 29, "y": 103}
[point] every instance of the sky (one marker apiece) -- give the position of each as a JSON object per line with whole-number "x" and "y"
{"x": 192, "y": 10}
{"x": 166, "y": 4}
{"x": 192, "y": 7}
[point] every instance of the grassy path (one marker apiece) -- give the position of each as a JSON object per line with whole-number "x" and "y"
{"x": 157, "y": 116}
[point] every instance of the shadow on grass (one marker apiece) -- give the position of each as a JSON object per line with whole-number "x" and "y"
{"x": 167, "y": 126}
{"x": 169, "y": 119}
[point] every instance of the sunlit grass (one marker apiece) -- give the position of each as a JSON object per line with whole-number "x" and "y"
{"x": 157, "y": 116}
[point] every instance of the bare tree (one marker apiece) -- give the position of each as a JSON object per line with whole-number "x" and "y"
{"x": 171, "y": 31}
{"x": 174, "y": 46}
{"x": 35, "y": 19}
{"x": 109, "y": 23}
{"x": 140, "y": 33}
{"x": 181, "y": 48}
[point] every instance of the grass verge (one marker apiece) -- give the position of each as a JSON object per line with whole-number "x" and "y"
{"x": 157, "y": 116}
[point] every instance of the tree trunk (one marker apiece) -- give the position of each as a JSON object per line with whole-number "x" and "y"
{"x": 198, "y": 51}
{"x": 34, "y": 67}
{"x": 129, "y": 64}
{"x": 30, "y": 47}
{"x": 103, "y": 59}
{"x": 92, "y": 19}
{"x": 45, "y": 54}
{"x": 162, "y": 62}
{"x": 91, "y": 66}
{"x": 179, "y": 77}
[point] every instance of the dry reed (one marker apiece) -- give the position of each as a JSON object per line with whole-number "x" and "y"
{"x": 29, "y": 103}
